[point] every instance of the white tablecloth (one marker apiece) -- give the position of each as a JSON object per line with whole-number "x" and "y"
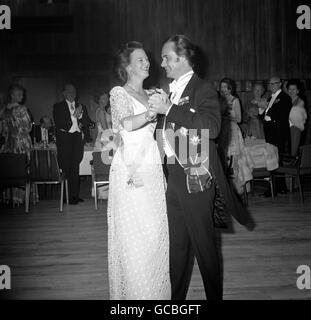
{"x": 261, "y": 154}
{"x": 85, "y": 167}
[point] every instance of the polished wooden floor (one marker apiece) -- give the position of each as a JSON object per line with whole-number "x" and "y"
{"x": 64, "y": 256}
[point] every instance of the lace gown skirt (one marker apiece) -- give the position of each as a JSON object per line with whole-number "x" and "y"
{"x": 138, "y": 243}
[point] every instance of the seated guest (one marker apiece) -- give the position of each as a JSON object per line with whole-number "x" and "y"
{"x": 44, "y": 131}
{"x": 230, "y": 140}
{"x": 253, "y": 125}
{"x": 297, "y": 115}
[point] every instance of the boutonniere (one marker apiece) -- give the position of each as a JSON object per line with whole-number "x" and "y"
{"x": 183, "y": 101}
{"x": 276, "y": 101}
{"x": 183, "y": 131}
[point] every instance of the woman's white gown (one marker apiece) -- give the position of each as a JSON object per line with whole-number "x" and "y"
{"x": 138, "y": 239}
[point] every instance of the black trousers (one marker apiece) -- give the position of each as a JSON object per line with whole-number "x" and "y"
{"x": 70, "y": 154}
{"x": 191, "y": 234}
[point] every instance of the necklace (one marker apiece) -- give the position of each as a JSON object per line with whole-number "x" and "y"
{"x": 140, "y": 93}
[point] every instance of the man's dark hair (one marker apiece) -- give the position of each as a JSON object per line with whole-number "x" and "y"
{"x": 183, "y": 47}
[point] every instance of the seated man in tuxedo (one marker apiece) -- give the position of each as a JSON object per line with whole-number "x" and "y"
{"x": 71, "y": 120}
{"x": 44, "y": 131}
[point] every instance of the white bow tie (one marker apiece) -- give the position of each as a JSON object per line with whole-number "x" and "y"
{"x": 173, "y": 86}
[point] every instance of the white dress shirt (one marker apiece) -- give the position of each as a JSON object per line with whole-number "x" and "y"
{"x": 177, "y": 88}
{"x": 75, "y": 126}
{"x": 273, "y": 98}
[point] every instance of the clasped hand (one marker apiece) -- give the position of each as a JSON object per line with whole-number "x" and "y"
{"x": 159, "y": 102}
{"x": 78, "y": 112}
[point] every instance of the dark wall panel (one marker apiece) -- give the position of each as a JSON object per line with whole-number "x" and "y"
{"x": 243, "y": 39}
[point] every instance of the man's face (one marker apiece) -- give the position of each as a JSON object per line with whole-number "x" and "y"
{"x": 171, "y": 62}
{"x": 70, "y": 93}
{"x": 275, "y": 84}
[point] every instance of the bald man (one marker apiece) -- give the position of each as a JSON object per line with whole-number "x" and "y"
{"x": 276, "y": 125}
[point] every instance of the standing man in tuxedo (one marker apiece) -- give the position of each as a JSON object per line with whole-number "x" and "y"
{"x": 70, "y": 117}
{"x": 276, "y": 125}
{"x": 192, "y": 196}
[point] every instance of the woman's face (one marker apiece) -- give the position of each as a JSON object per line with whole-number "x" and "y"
{"x": 292, "y": 90}
{"x": 224, "y": 90}
{"x": 17, "y": 96}
{"x": 258, "y": 91}
{"x": 103, "y": 100}
{"x": 139, "y": 64}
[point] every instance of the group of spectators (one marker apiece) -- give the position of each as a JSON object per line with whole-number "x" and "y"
{"x": 280, "y": 116}
{"x": 69, "y": 129}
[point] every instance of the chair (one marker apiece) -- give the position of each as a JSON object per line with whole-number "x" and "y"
{"x": 14, "y": 173}
{"x": 100, "y": 173}
{"x": 44, "y": 169}
{"x": 297, "y": 168}
{"x": 262, "y": 174}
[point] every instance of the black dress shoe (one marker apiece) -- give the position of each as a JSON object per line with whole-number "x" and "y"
{"x": 73, "y": 201}
{"x": 79, "y": 199}
{"x": 283, "y": 191}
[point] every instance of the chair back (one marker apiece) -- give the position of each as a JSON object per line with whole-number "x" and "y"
{"x": 305, "y": 158}
{"x": 101, "y": 170}
{"x": 13, "y": 169}
{"x": 44, "y": 165}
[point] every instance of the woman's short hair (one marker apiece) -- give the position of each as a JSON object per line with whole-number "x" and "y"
{"x": 16, "y": 87}
{"x": 183, "y": 47}
{"x": 230, "y": 84}
{"x": 123, "y": 58}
